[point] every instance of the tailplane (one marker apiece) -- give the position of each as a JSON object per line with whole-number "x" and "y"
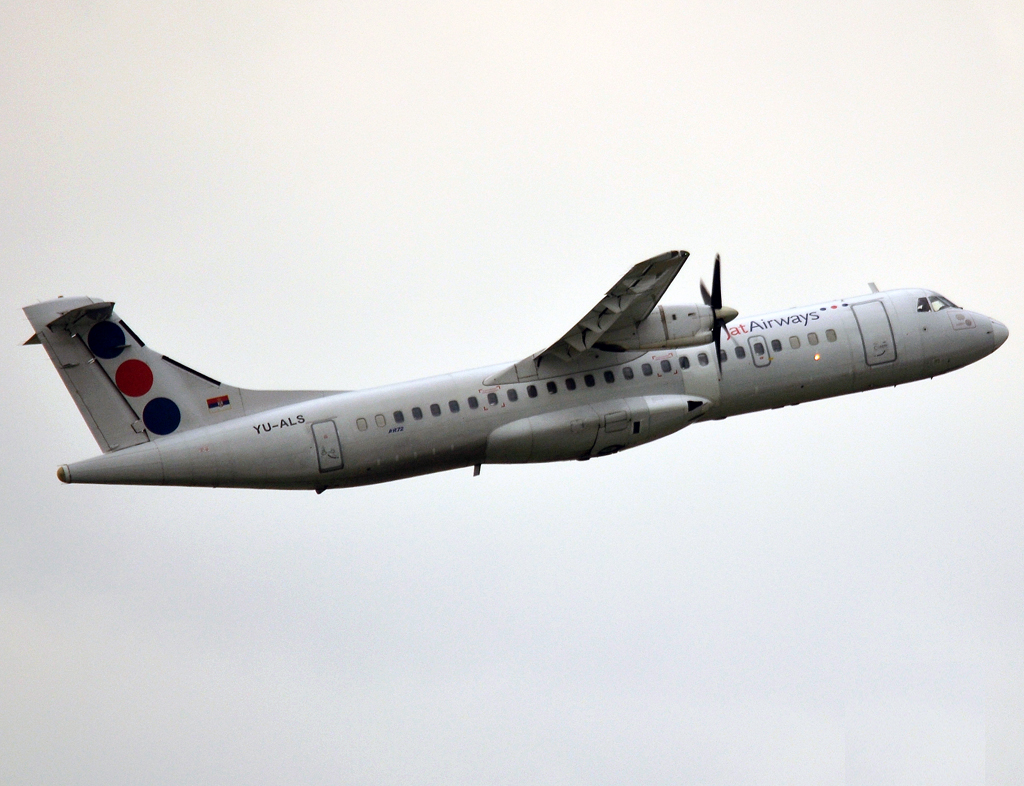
{"x": 128, "y": 393}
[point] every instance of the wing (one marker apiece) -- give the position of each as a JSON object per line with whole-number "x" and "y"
{"x": 627, "y": 304}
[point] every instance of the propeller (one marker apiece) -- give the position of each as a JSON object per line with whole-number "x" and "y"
{"x": 722, "y": 315}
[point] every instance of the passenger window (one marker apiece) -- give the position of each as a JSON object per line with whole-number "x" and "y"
{"x": 666, "y": 366}
{"x": 570, "y": 383}
{"x": 684, "y": 362}
{"x": 830, "y": 334}
{"x": 435, "y": 410}
{"x": 552, "y": 387}
{"x": 794, "y": 341}
{"x": 380, "y": 420}
{"x": 588, "y": 380}
{"x": 742, "y": 353}
{"x": 609, "y": 377}
{"x": 646, "y": 368}
{"x": 922, "y": 305}
{"x": 531, "y": 391}
{"x": 513, "y": 394}
{"x": 702, "y": 358}
{"x": 399, "y": 417}
{"x": 627, "y": 372}
{"x": 812, "y": 339}
{"x": 453, "y": 405}
{"x": 361, "y": 424}
{"x": 473, "y": 403}
{"x": 776, "y": 345}
{"x": 722, "y": 356}
{"x": 492, "y": 399}
{"x": 417, "y": 413}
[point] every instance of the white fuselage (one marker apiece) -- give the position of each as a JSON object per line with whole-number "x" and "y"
{"x": 610, "y": 404}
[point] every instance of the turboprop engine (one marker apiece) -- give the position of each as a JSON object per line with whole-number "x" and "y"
{"x": 667, "y": 327}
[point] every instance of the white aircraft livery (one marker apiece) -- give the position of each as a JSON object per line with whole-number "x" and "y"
{"x": 631, "y": 371}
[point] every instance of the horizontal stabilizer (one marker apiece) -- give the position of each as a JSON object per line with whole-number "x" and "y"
{"x": 82, "y": 318}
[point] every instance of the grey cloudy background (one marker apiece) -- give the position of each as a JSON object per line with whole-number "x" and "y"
{"x": 336, "y": 195}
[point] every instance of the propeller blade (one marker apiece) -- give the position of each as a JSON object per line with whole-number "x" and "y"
{"x": 704, "y": 293}
{"x": 720, "y": 315}
{"x": 716, "y": 285}
{"x": 717, "y": 333}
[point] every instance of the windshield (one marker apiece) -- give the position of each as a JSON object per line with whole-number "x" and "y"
{"x": 934, "y": 303}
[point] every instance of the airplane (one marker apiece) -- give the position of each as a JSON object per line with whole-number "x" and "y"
{"x": 630, "y": 372}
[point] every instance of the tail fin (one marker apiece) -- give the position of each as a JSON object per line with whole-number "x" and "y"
{"x": 127, "y": 393}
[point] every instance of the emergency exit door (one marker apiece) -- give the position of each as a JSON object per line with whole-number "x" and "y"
{"x": 759, "y": 350}
{"x": 328, "y": 448}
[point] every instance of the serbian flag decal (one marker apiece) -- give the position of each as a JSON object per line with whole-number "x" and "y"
{"x": 220, "y": 402}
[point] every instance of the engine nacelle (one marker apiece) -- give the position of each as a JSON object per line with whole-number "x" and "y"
{"x": 592, "y": 430}
{"x": 667, "y": 327}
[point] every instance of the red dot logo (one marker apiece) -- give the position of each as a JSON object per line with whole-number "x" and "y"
{"x": 134, "y": 378}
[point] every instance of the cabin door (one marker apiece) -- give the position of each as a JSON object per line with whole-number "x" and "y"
{"x": 876, "y": 332}
{"x": 328, "y": 448}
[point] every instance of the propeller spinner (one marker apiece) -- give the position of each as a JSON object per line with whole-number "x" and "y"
{"x": 723, "y": 314}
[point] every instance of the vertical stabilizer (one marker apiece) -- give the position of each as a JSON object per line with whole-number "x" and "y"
{"x": 62, "y": 327}
{"x": 127, "y": 393}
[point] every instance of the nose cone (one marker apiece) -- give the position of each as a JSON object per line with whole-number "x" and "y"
{"x": 999, "y": 333}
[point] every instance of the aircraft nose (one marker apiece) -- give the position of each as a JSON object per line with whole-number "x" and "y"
{"x": 999, "y": 333}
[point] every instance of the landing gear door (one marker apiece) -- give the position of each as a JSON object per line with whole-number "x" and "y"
{"x": 759, "y": 351}
{"x": 622, "y": 424}
{"x": 328, "y": 448}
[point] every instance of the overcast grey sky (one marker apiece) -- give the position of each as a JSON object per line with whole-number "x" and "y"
{"x": 338, "y": 195}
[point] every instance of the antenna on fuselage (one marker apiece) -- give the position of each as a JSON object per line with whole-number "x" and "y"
{"x": 873, "y": 287}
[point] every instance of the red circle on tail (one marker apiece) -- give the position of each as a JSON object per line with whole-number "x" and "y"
{"x": 134, "y": 378}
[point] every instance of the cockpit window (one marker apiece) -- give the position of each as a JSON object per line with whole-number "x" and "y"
{"x": 923, "y": 306}
{"x": 938, "y": 303}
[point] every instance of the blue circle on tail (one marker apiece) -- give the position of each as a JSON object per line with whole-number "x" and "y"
{"x": 106, "y": 340}
{"x": 161, "y": 416}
